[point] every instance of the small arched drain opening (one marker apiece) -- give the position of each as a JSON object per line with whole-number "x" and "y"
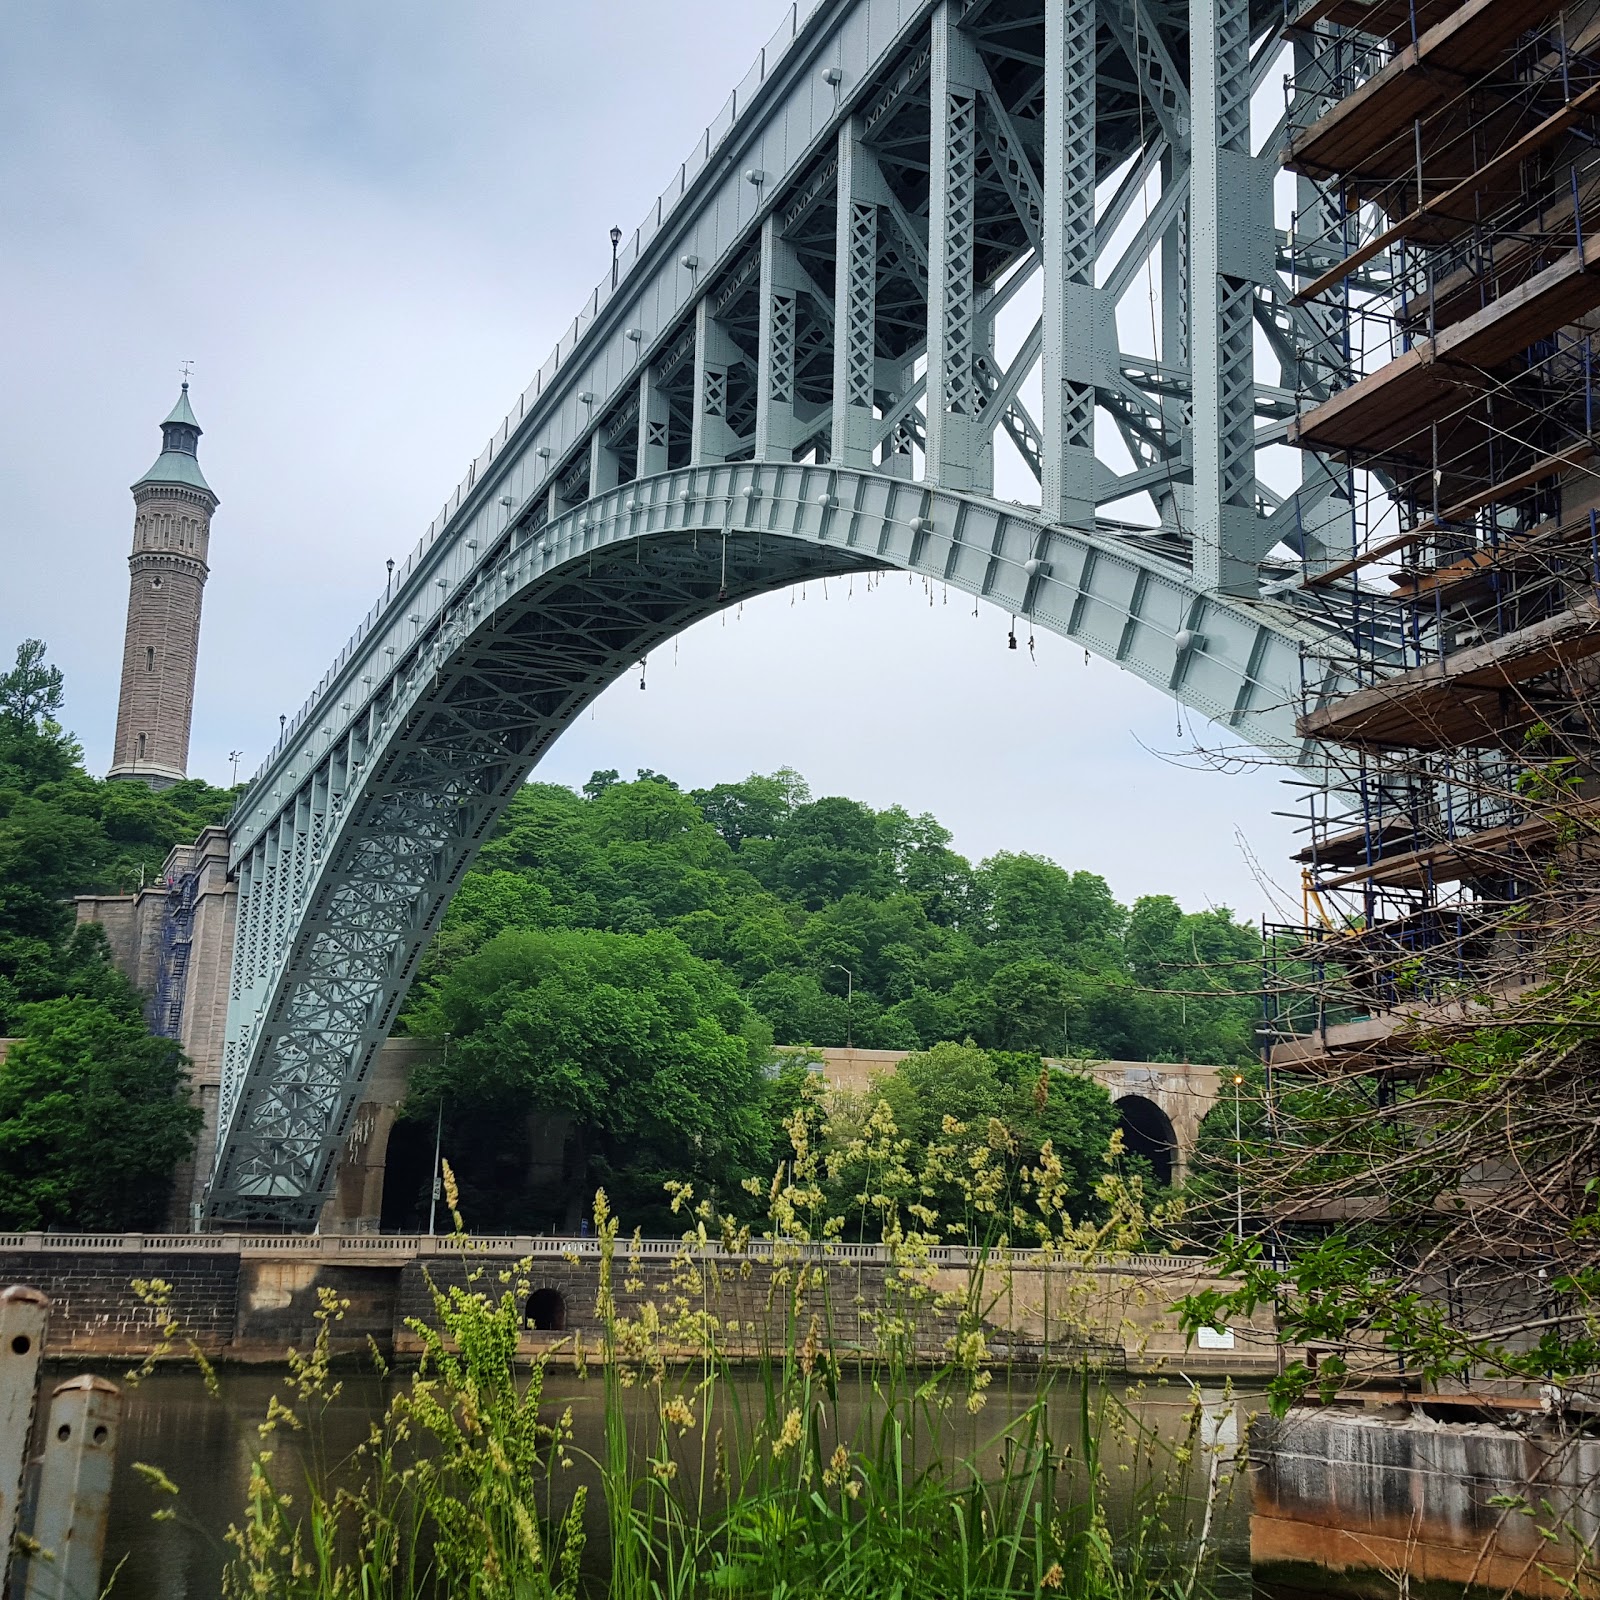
{"x": 546, "y": 1311}
{"x": 1147, "y": 1132}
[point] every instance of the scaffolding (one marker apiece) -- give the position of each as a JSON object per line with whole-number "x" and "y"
{"x": 1446, "y": 247}
{"x": 172, "y": 970}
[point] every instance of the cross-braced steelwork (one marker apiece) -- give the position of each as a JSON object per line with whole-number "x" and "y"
{"x": 804, "y": 369}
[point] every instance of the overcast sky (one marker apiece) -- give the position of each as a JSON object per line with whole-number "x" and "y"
{"x": 366, "y": 221}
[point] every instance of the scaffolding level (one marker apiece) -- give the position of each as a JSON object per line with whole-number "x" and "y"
{"x": 1446, "y": 245}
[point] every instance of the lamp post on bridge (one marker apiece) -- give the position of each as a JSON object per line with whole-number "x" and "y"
{"x": 438, "y": 1142}
{"x": 849, "y": 1003}
{"x": 1238, "y": 1161}
{"x": 616, "y": 240}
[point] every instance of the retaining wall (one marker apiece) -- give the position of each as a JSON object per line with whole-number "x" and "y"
{"x": 1375, "y": 1502}
{"x": 250, "y": 1297}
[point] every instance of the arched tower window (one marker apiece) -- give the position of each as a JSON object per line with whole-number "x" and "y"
{"x": 141, "y": 747}
{"x": 149, "y": 658}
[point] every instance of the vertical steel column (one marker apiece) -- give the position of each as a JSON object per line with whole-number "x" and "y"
{"x": 1230, "y": 252}
{"x": 954, "y": 427}
{"x": 1175, "y": 500}
{"x": 855, "y": 300}
{"x": 714, "y": 353}
{"x": 654, "y": 420}
{"x": 1071, "y": 305}
{"x": 897, "y": 460}
{"x": 779, "y": 328}
{"x": 604, "y": 468}
{"x": 1325, "y": 530}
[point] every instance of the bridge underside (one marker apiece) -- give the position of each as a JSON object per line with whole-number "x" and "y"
{"x": 340, "y": 891}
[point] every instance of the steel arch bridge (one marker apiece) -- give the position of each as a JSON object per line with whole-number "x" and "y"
{"x": 794, "y": 374}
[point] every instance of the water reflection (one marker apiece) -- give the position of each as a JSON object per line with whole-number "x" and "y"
{"x": 205, "y": 1446}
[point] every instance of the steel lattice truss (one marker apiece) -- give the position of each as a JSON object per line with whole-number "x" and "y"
{"x": 797, "y": 376}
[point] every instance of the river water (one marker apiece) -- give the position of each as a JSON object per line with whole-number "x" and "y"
{"x": 205, "y": 1446}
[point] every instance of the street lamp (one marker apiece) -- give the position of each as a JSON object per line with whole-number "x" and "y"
{"x": 616, "y": 239}
{"x": 849, "y": 1003}
{"x": 234, "y": 756}
{"x": 1238, "y": 1161}
{"x": 438, "y": 1140}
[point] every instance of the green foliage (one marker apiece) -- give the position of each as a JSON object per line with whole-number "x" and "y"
{"x": 94, "y": 1117}
{"x": 952, "y": 1100}
{"x": 94, "y": 1114}
{"x": 33, "y": 747}
{"x": 730, "y": 1466}
{"x": 837, "y": 922}
{"x": 1441, "y": 1223}
{"x": 647, "y": 1054}
{"x": 812, "y": 921}
{"x": 64, "y": 833}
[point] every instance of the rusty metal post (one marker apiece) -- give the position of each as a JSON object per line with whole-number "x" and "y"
{"x": 23, "y": 1314}
{"x": 69, "y": 1526}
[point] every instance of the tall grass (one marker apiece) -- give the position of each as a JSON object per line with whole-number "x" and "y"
{"x": 734, "y": 1462}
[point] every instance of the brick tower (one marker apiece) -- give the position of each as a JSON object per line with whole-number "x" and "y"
{"x": 167, "y": 576}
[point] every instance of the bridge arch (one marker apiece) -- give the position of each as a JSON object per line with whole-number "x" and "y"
{"x": 350, "y": 843}
{"x": 1148, "y": 1132}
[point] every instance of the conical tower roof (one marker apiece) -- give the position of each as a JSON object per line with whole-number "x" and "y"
{"x": 183, "y": 412}
{"x": 178, "y": 464}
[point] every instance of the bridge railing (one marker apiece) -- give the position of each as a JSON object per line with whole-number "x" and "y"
{"x": 546, "y": 1246}
{"x": 701, "y": 156}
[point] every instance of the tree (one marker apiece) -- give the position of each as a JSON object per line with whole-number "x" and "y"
{"x": 1030, "y": 1005}
{"x": 780, "y": 896}
{"x": 927, "y": 867}
{"x": 64, "y": 833}
{"x": 33, "y": 747}
{"x": 649, "y": 1054}
{"x": 825, "y": 850}
{"x": 94, "y": 1117}
{"x": 960, "y": 1110}
{"x": 754, "y": 809}
{"x": 32, "y": 692}
{"x": 1030, "y": 902}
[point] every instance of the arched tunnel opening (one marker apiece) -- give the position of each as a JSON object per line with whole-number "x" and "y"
{"x": 407, "y": 1173}
{"x": 1147, "y": 1133}
{"x": 546, "y": 1311}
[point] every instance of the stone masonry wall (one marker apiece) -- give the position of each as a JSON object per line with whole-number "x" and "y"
{"x": 94, "y": 1310}
{"x": 252, "y": 1298}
